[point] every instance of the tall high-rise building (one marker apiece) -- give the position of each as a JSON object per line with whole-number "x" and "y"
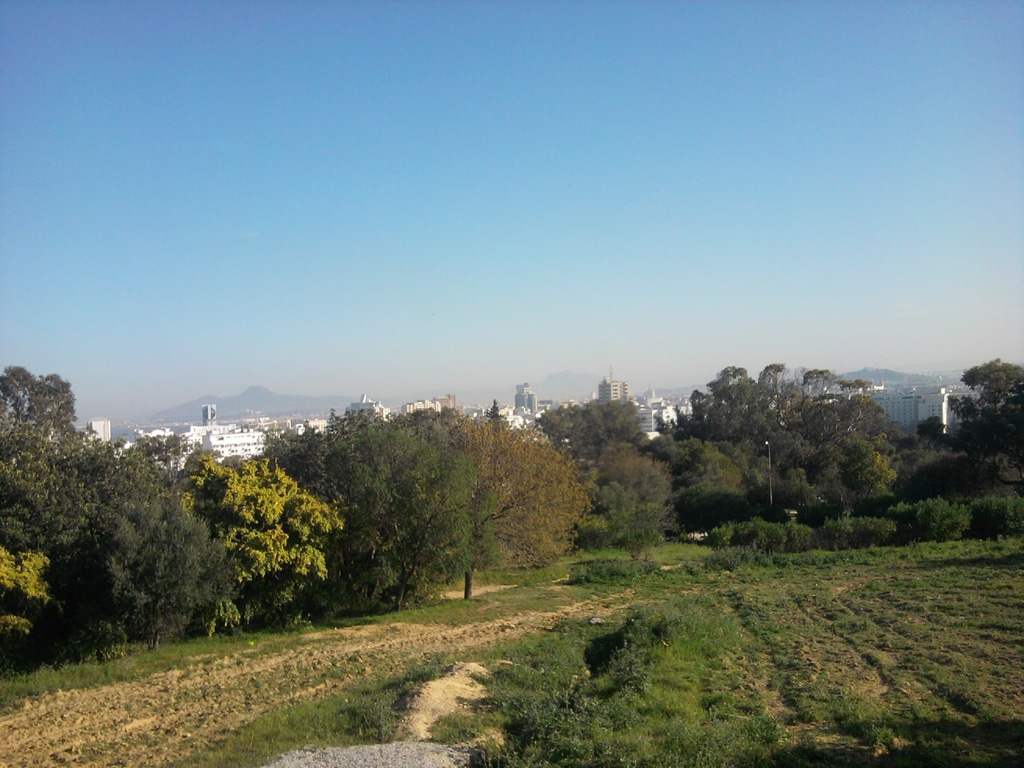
{"x": 209, "y": 414}
{"x": 612, "y": 391}
{"x": 100, "y": 428}
{"x": 526, "y": 398}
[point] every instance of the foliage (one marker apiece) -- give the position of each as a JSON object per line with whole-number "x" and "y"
{"x": 762, "y": 536}
{"x": 61, "y": 494}
{"x": 992, "y": 517}
{"x": 23, "y": 591}
{"x": 632, "y": 496}
{"x": 992, "y": 424}
{"x": 805, "y": 417}
{"x": 930, "y": 520}
{"x": 854, "y": 533}
{"x": 44, "y": 402}
{"x": 864, "y": 469}
{"x": 529, "y": 493}
{"x": 165, "y": 569}
{"x": 584, "y": 432}
{"x": 611, "y": 571}
{"x": 941, "y": 520}
{"x": 273, "y": 531}
{"x": 701, "y": 508}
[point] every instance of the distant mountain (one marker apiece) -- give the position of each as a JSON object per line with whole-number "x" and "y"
{"x": 255, "y": 401}
{"x": 565, "y": 385}
{"x": 892, "y": 378}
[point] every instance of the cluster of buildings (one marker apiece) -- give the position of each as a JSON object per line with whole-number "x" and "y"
{"x": 244, "y": 439}
{"x": 247, "y": 438}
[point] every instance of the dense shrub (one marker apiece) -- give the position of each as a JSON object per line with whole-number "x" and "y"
{"x": 798, "y": 537}
{"x": 939, "y": 520}
{"x": 720, "y": 537}
{"x": 816, "y": 514}
{"x": 993, "y": 517}
{"x": 759, "y": 534}
{"x": 854, "y": 533}
{"x": 702, "y": 508}
{"x": 612, "y": 571}
{"x": 593, "y": 533}
{"x": 763, "y": 536}
{"x": 731, "y": 558}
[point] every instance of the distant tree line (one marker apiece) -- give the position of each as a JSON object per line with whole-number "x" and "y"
{"x": 102, "y": 545}
{"x": 804, "y": 442}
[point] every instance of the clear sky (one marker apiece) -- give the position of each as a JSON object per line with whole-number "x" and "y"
{"x": 348, "y": 197}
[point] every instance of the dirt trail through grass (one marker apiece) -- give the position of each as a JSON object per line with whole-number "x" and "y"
{"x": 168, "y": 715}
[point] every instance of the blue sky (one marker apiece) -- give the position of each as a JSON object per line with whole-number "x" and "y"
{"x": 337, "y": 198}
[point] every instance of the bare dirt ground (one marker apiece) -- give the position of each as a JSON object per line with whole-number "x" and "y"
{"x": 459, "y": 689}
{"x": 168, "y": 715}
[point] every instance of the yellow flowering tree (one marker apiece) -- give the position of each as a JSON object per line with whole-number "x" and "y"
{"x": 274, "y": 532}
{"x": 23, "y": 591}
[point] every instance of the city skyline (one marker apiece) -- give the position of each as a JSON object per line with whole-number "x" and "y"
{"x": 335, "y": 199}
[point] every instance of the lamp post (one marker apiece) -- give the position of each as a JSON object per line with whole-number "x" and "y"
{"x": 771, "y": 499}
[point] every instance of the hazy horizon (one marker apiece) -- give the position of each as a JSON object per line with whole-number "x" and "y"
{"x": 483, "y": 395}
{"x": 333, "y": 199}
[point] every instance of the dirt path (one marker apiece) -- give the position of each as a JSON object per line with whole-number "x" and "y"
{"x": 168, "y": 715}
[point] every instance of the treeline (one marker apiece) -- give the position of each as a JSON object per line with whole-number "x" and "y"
{"x": 102, "y": 545}
{"x": 807, "y": 444}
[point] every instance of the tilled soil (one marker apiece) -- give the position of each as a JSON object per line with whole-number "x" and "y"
{"x": 166, "y": 716}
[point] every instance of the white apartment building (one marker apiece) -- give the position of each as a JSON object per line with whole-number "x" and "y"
{"x": 248, "y": 444}
{"x": 654, "y": 413}
{"x": 910, "y": 408}
{"x": 422, "y": 405}
{"x": 380, "y": 410}
{"x": 100, "y": 428}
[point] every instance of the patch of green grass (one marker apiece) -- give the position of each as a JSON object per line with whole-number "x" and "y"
{"x": 639, "y": 694}
{"x": 891, "y": 656}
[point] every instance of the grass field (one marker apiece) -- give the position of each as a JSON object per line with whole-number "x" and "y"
{"x": 908, "y": 656}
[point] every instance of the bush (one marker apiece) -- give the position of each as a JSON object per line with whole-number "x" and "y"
{"x": 612, "y": 571}
{"x": 701, "y": 508}
{"x": 815, "y": 515}
{"x": 994, "y": 517}
{"x": 798, "y": 537}
{"x": 763, "y": 536}
{"x": 758, "y": 534}
{"x": 592, "y": 533}
{"x": 854, "y": 533}
{"x": 731, "y": 558}
{"x": 720, "y": 537}
{"x": 939, "y": 520}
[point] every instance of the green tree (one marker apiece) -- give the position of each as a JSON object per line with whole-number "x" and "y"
{"x": 864, "y": 469}
{"x": 991, "y": 427}
{"x": 274, "y": 533}
{"x": 165, "y": 569}
{"x": 43, "y": 401}
{"x": 167, "y": 454}
{"x": 633, "y": 493}
{"x": 527, "y": 497}
{"x": 585, "y": 431}
{"x": 731, "y": 410}
{"x": 494, "y": 412}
